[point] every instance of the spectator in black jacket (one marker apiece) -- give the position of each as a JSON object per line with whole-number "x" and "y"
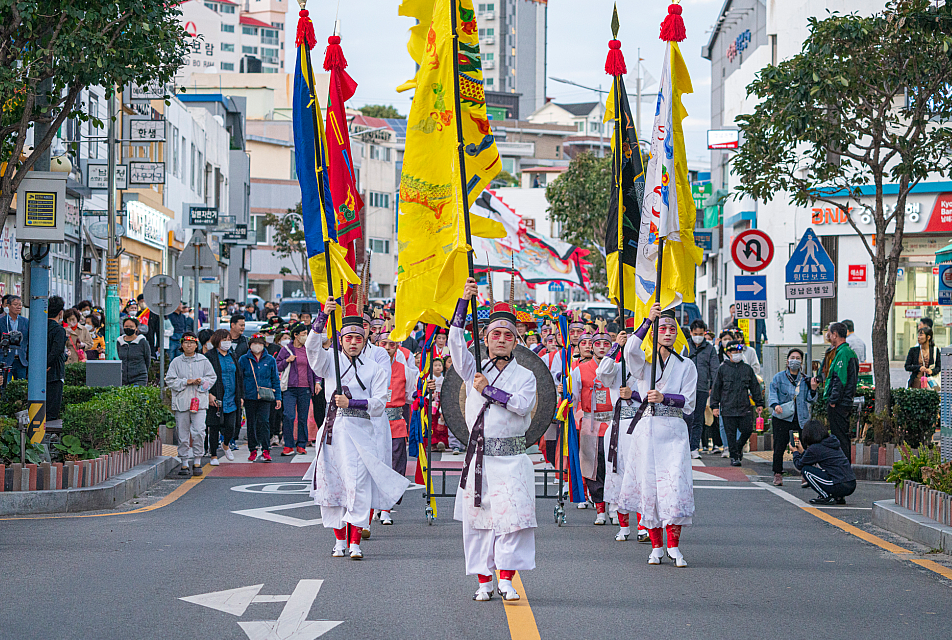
{"x": 224, "y": 398}
{"x": 134, "y": 351}
{"x": 842, "y": 373}
{"x": 705, "y": 360}
{"x": 823, "y": 465}
{"x": 236, "y": 333}
{"x": 735, "y": 385}
{"x": 55, "y": 358}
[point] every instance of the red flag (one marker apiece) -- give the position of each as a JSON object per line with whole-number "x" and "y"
{"x": 340, "y": 168}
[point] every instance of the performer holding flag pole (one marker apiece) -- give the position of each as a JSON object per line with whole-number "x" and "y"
{"x": 661, "y": 486}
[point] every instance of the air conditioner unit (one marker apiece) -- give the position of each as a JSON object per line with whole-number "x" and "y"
{"x": 489, "y": 64}
{"x": 489, "y": 15}
{"x": 489, "y": 40}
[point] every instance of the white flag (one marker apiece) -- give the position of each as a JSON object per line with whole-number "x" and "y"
{"x": 659, "y": 214}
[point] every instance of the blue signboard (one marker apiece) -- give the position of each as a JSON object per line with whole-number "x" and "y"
{"x": 750, "y": 288}
{"x": 704, "y": 239}
{"x": 810, "y": 263}
{"x": 945, "y": 284}
{"x": 556, "y": 286}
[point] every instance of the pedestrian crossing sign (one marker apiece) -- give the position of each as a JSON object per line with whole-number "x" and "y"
{"x": 810, "y": 263}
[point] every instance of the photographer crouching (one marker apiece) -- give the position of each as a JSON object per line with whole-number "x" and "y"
{"x": 823, "y": 465}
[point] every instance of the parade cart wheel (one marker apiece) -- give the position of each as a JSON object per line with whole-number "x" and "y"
{"x": 559, "y": 515}
{"x": 429, "y": 515}
{"x": 541, "y": 415}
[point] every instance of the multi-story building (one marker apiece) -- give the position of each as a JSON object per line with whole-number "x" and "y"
{"x": 585, "y": 119}
{"x": 512, "y": 39}
{"x": 230, "y": 38}
{"x": 748, "y": 36}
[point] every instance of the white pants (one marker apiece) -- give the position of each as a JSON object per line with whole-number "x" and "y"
{"x": 485, "y": 551}
{"x": 190, "y": 426}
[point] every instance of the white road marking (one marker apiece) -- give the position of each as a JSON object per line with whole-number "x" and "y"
{"x": 292, "y": 624}
{"x": 732, "y": 488}
{"x": 783, "y": 494}
{"x": 273, "y": 487}
{"x": 700, "y": 475}
{"x": 268, "y": 513}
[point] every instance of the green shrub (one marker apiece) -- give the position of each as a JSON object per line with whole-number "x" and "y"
{"x": 75, "y": 375}
{"x": 917, "y": 413}
{"x": 123, "y": 417}
{"x": 79, "y": 395}
{"x": 938, "y": 477}
{"x": 10, "y": 444}
{"x": 14, "y": 400}
{"x": 910, "y": 467}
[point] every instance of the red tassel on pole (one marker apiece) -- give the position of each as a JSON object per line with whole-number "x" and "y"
{"x": 672, "y": 29}
{"x": 334, "y": 55}
{"x": 305, "y": 31}
{"x": 615, "y": 63}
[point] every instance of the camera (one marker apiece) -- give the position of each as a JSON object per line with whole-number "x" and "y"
{"x": 10, "y": 339}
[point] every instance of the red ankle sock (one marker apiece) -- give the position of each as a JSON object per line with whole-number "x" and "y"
{"x": 657, "y": 538}
{"x": 371, "y": 517}
{"x": 599, "y": 507}
{"x": 638, "y": 516}
{"x": 506, "y": 575}
{"x": 622, "y": 519}
{"x": 484, "y": 579}
{"x": 340, "y": 534}
{"x": 355, "y": 534}
{"x": 674, "y": 534}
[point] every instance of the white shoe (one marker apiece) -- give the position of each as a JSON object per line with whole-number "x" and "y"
{"x": 484, "y": 592}
{"x": 643, "y": 536}
{"x": 613, "y": 519}
{"x": 657, "y": 555}
{"x": 385, "y": 518}
{"x": 623, "y": 533}
{"x": 727, "y": 453}
{"x": 601, "y": 519}
{"x": 583, "y": 505}
{"x": 675, "y": 554}
{"x": 340, "y": 548}
{"x": 695, "y": 454}
{"x": 229, "y": 455}
{"x": 213, "y": 462}
{"x": 507, "y": 591}
{"x": 355, "y": 552}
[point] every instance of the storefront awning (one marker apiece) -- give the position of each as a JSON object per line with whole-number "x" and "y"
{"x": 944, "y": 254}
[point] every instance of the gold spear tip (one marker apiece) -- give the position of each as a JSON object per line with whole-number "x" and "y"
{"x": 302, "y": 3}
{"x": 615, "y": 24}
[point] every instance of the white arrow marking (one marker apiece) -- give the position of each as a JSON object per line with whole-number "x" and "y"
{"x": 754, "y": 288}
{"x": 233, "y": 601}
{"x": 292, "y": 624}
{"x": 267, "y": 513}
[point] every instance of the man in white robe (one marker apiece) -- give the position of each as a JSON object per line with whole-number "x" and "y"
{"x": 347, "y": 476}
{"x": 496, "y": 498}
{"x": 661, "y": 488}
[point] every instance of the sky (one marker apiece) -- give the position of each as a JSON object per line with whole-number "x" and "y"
{"x": 374, "y": 40}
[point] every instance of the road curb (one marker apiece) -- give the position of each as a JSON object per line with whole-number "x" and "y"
{"x": 868, "y": 472}
{"x": 909, "y": 524}
{"x": 106, "y": 495}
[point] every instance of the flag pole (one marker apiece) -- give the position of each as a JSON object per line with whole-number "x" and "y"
{"x": 654, "y": 326}
{"x": 462, "y": 174}
{"x": 319, "y": 147}
{"x": 621, "y": 222}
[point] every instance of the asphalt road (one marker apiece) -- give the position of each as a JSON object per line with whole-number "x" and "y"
{"x": 760, "y": 567}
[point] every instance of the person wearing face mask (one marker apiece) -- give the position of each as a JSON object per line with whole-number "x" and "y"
{"x": 190, "y": 377}
{"x": 297, "y": 383}
{"x": 789, "y": 398}
{"x": 735, "y": 385}
{"x": 11, "y": 321}
{"x": 95, "y": 328}
{"x": 224, "y": 398}
{"x": 705, "y": 360}
{"x": 260, "y": 373}
{"x": 135, "y": 353}
{"x": 661, "y": 486}
{"x": 347, "y": 477}
{"x": 275, "y": 337}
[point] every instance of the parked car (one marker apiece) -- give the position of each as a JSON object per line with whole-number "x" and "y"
{"x": 298, "y": 306}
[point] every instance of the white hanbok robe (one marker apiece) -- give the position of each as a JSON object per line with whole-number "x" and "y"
{"x": 384, "y": 447}
{"x": 501, "y": 532}
{"x": 348, "y": 477}
{"x": 661, "y": 488}
{"x": 609, "y": 372}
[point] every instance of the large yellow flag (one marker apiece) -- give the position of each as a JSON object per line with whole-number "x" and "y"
{"x": 431, "y": 234}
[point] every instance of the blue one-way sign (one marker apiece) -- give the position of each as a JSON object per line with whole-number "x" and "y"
{"x": 810, "y": 263}
{"x": 750, "y": 288}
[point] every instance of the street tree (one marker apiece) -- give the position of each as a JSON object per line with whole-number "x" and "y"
{"x": 381, "y": 111}
{"x": 578, "y": 202}
{"x": 866, "y": 103}
{"x": 51, "y": 49}
{"x": 287, "y": 238}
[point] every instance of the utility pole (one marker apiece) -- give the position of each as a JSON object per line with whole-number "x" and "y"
{"x": 112, "y": 259}
{"x": 601, "y": 124}
{"x": 638, "y": 93}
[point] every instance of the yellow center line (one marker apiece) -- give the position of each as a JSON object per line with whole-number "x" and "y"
{"x": 179, "y": 491}
{"x": 522, "y": 623}
{"x": 943, "y": 571}
{"x": 859, "y": 533}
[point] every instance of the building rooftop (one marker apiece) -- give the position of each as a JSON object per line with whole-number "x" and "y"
{"x": 253, "y": 22}
{"x": 578, "y": 108}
